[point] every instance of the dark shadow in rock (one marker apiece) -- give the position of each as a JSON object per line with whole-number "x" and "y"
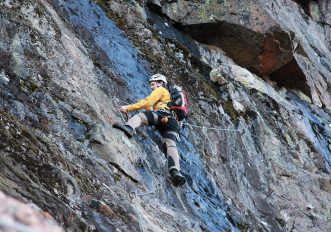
{"x": 291, "y": 76}
{"x": 241, "y": 44}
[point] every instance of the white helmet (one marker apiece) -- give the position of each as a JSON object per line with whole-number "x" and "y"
{"x": 158, "y": 77}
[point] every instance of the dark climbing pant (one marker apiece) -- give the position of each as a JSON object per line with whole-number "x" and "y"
{"x": 168, "y": 130}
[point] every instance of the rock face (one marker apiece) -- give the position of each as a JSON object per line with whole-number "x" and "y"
{"x": 255, "y": 150}
{"x": 17, "y": 216}
{"x": 276, "y": 40}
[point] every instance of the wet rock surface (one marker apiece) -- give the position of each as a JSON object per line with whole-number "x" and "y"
{"x": 255, "y": 150}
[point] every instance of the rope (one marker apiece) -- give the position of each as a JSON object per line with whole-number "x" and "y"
{"x": 211, "y": 128}
{"x": 234, "y": 130}
{"x": 135, "y": 194}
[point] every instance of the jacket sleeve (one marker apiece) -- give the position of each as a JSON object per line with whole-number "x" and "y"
{"x": 148, "y": 102}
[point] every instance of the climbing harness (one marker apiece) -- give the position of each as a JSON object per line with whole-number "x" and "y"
{"x": 165, "y": 115}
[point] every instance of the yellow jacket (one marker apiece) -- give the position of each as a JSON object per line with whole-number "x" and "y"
{"x": 157, "y": 100}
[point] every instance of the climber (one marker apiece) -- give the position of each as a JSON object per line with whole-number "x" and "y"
{"x": 159, "y": 115}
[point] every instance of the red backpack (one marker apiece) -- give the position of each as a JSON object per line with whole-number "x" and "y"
{"x": 179, "y": 101}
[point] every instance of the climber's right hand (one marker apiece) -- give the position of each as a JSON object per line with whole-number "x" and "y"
{"x": 123, "y": 109}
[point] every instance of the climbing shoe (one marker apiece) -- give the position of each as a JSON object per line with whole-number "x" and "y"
{"x": 177, "y": 178}
{"x": 128, "y": 130}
